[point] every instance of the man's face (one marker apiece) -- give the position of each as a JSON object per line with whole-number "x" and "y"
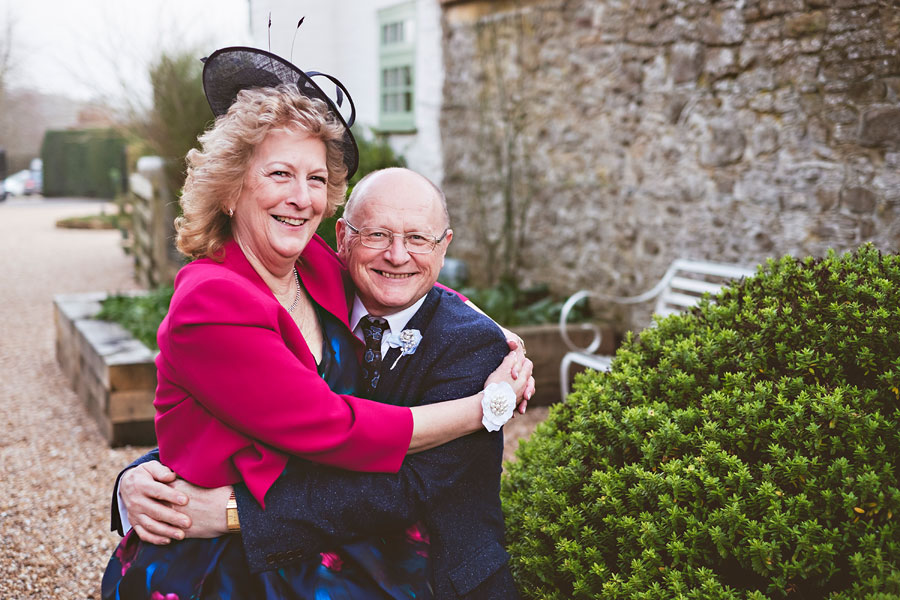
{"x": 393, "y": 279}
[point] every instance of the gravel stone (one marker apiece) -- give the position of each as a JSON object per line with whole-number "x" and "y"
{"x": 56, "y": 470}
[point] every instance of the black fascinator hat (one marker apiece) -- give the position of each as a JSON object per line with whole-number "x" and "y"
{"x": 230, "y": 70}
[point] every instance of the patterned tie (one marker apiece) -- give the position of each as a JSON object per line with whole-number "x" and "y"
{"x": 373, "y": 328}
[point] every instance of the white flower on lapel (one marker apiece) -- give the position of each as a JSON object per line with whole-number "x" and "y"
{"x": 497, "y": 405}
{"x": 407, "y": 340}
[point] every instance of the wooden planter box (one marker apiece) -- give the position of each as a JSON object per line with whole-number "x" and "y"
{"x": 546, "y": 349}
{"x": 113, "y": 373}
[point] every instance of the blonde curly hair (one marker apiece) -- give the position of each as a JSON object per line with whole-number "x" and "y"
{"x": 215, "y": 172}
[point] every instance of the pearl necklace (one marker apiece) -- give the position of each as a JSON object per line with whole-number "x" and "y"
{"x": 297, "y": 297}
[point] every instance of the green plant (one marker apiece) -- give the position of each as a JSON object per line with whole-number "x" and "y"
{"x": 99, "y": 221}
{"x": 374, "y": 153}
{"x": 746, "y": 450}
{"x": 140, "y": 315}
{"x": 178, "y": 115}
{"x": 510, "y": 305}
{"x": 505, "y": 125}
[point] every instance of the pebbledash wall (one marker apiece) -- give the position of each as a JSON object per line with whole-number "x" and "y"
{"x": 642, "y": 131}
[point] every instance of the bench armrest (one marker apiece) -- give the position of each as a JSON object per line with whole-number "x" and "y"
{"x": 563, "y": 324}
{"x": 681, "y": 299}
{"x": 598, "y": 336}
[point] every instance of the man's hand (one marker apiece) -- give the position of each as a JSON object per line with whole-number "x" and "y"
{"x": 162, "y": 508}
{"x": 151, "y": 503}
{"x": 205, "y": 509}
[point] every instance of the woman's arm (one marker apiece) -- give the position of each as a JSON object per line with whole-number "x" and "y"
{"x": 436, "y": 424}
{"x": 221, "y": 346}
{"x": 514, "y": 340}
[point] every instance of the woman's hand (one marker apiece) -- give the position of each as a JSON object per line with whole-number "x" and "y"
{"x": 150, "y": 503}
{"x": 513, "y": 339}
{"x": 516, "y": 371}
{"x": 517, "y": 344}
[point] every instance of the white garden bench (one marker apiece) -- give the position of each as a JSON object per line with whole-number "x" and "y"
{"x": 682, "y": 286}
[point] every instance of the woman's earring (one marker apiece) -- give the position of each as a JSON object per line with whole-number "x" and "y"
{"x": 230, "y": 212}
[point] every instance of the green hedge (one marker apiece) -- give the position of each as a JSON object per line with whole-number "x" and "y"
{"x": 89, "y": 162}
{"x": 744, "y": 450}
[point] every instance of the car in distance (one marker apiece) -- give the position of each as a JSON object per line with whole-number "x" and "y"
{"x": 21, "y": 183}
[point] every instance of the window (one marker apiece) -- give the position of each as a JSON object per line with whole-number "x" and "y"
{"x": 396, "y": 83}
{"x": 397, "y": 53}
{"x": 391, "y": 33}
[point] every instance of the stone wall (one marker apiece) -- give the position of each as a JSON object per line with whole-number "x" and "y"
{"x": 619, "y": 135}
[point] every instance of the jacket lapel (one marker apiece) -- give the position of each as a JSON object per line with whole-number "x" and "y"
{"x": 393, "y": 380}
{"x": 323, "y": 275}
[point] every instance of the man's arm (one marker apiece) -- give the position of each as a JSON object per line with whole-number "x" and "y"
{"x": 312, "y": 507}
{"x": 159, "y": 522}
{"x": 145, "y": 494}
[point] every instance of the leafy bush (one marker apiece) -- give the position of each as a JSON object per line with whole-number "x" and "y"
{"x": 744, "y": 450}
{"x": 140, "y": 315}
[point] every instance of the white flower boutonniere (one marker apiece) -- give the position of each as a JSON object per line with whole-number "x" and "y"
{"x": 407, "y": 340}
{"x": 497, "y": 405}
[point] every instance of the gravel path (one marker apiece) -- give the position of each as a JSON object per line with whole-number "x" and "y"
{"x": 55, "y": 468}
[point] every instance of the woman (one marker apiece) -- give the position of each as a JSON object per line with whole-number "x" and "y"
{"x": 257, "y": 329}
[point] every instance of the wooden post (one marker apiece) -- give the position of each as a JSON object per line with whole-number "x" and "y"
{"x": 155, "y": 259}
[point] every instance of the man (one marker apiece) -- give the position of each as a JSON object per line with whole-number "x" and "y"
{"x": 393, "y": 238}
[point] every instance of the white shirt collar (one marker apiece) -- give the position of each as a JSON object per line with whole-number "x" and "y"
{"x": 396, "y": 322}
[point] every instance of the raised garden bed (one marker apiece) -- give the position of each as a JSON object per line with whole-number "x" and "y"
{"x": 113, "y": 373}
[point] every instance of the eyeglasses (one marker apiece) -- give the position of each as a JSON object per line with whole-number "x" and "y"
{"x": 381, "y": 239}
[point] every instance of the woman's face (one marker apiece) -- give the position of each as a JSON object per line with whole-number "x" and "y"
{"x": 283, "y": 198}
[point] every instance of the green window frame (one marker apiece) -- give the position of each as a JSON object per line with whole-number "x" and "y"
{"x": 396, "y": 67}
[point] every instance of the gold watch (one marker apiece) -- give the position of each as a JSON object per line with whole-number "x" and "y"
{"x": 231, "y": 514}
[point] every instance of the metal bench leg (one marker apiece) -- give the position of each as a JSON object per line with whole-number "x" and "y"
{"x": 564, "y": 376}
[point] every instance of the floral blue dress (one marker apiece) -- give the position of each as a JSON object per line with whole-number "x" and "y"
{"x": 393, "y": 566}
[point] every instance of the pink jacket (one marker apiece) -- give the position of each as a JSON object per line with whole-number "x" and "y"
{"x": 238, "y": 389}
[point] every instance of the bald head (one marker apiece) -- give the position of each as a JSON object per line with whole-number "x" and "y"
{"x": 384, "y": 181}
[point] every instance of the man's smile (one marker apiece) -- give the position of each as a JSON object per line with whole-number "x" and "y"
{"x": 394, "y": 275}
